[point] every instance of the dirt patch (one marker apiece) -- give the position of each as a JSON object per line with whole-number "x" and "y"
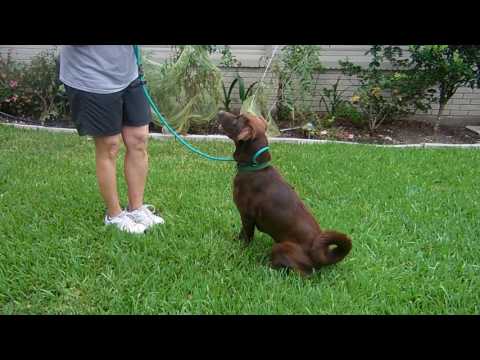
{"x": 398, "y": 132}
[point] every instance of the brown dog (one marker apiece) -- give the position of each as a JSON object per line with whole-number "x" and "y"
{"x": 267, "y": 202}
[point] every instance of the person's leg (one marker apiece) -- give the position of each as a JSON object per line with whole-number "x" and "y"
{"x": 135, "y": 132}
{"x": 136, "y": 163}
{"x": 101, "y": 116}
{"x": 106, "y": 153}
{"x": 136, "y": 169}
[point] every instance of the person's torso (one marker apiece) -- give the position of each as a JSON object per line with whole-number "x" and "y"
{"x": 101, "y": 69}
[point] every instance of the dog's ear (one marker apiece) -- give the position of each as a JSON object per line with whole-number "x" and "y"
{"x": 246, "y": 133}
{"x": 255, "y": 126}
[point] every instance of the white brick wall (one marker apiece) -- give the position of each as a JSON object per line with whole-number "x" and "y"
{"x": 463, "y": 107}
{"x": 25, "y": 52}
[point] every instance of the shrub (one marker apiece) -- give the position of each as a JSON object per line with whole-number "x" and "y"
{"x": 338, "y": 107}
{"x": 187, "y": 89}
{"x": 227, "y": 58}
{"x": 332, "y": 98}
{"x": 11, "y": 74}
{"x": 447, "y": 67}
{"x": 389, "y": 93}
{"x": 349, "y": 112}
{"x": 295, "y": 72}
{"x": 32, "y": 89}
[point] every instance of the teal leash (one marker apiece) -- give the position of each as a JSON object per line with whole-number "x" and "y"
{"x": 258, "y": 153}
{"x": 254, "y": 166}
{"x": 163, "y": 121}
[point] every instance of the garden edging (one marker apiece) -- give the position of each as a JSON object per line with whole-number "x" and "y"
{"x": 224, "y": 138}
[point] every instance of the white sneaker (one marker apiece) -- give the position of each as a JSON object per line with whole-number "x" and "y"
{"x": 125, "y": 223}
{"x": 143, "y": 215}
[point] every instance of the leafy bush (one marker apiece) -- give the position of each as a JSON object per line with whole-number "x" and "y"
{"x": 188, "y": 89}
{"x": 11, "y": 73}
{"x": 332, "y": 99}
{"x": 447, "y": 67}
{"x": 295, "y": 72}
{"x": 390, "y": 93}
{"x": 32, "y": 89}
{"x": 349, "y": 112}
{"x": 338, "y": 107}
{"x": 227, "y": 58}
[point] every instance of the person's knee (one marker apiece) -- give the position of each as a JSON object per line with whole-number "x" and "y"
{"x": 113, "y": 150}
{"x": 108, "y": 147}
{"x": 136, "y": 141}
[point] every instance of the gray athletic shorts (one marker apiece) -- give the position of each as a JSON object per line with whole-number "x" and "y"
{"x": 105, "y": 114}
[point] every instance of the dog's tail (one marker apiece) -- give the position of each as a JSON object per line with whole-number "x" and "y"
{"x": 333, "y": 247}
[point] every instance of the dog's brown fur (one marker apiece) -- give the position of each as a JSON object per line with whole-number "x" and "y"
{"x": 266, "y": 202}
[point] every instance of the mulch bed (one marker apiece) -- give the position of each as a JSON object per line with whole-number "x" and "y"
{"x": 397, "y": 132}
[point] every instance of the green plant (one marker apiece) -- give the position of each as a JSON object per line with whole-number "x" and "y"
{"x": 447, "y": 66}
{"x": 243, "y": 94}
{"x": 11, "y": 73}
{"x": 187, "y": 89}
{"x": 227, "y": 94}
{"x": 389, "y": 93}
{"x": 227, "y": 58}
{"x": 333, "y": 100}
{"x": 32, "y": 89}
{"x": 241, "y": 89}
{"x": 471, "y": 55}
{"x": 178, "y": 49}
{"x": 349, "y": 112}
{"x": 295, "y": 71}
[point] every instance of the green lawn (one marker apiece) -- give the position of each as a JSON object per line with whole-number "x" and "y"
{"x": 413, "y": 216}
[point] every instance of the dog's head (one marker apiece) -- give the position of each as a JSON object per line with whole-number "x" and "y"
{"x": 243, "y": 127}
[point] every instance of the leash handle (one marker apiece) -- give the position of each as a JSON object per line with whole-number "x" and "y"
{"x": 163, "y": 121}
